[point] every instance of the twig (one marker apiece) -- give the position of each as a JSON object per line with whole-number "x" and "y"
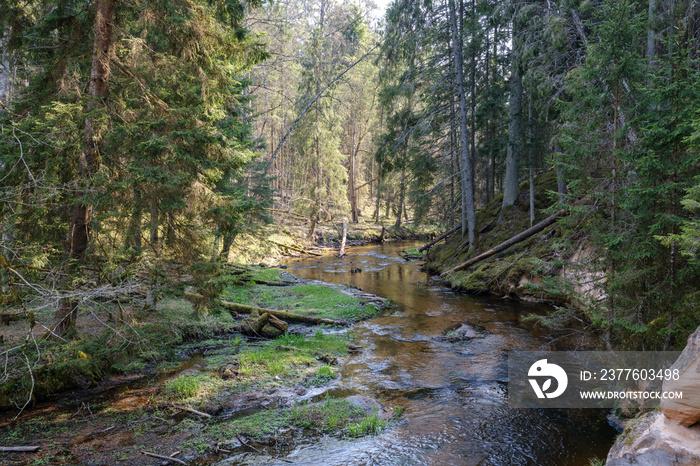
{"x": 246, "y": 444}
{"x": 161, "y": 457}
{"x": 193, "y": 411}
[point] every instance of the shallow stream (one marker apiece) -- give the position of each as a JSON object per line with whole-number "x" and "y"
{"x": 454, "y": 394}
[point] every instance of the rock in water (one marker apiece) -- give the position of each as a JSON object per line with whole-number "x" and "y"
{"x": 685, "y": 411}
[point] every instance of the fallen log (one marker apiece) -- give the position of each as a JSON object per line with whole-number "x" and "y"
{"x": 439, "y": 238}
{"x": 506, "y": 244}
{"x": 28, "y": 449}
{"x": 253, "y": 325}
{"x": 284, "y": 315}
{"x": 286, "y": 348}
{"x": 266, "y": 283}
{"x": 294, "y": 248}
{"x": 277, "y": 323}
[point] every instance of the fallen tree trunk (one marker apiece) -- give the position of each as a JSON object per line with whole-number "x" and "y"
{"x": 439, "y": 238}
{"x": 506, "y": 244}
{"x": 284, "y": 315}
{"x": 28, "y": 449}
{"x": 294, "y": 248}
{"x": 254, "y": 324}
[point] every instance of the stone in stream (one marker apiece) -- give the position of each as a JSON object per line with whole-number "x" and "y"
{"x": 460, "y": 332}
{"x": 368, "y": 405}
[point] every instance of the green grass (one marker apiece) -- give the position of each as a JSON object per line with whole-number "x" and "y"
{"x": 323, "y": 375}
{"x": 264, "y": 364}
{"x": 188, "y": 386}
{"x": 370, "y": 424}
{"x": 329, "y": 417}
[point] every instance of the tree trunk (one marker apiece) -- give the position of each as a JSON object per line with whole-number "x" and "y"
{"x": 561, "y": 183}
{"x": 342, "y": 241}
{"x": 314, "y": 220}
{"x": 90, "y": 159}
{"x": 468, "y": 209}
{"x": 227, "y": 242}
{"x": 651, "y": 35}
{"x": 401, "y": 197}
{"x": 64, "y": 318}
{"x": 531, "y": 170}
{"x": 134, "y": 238}
{"x": 154, "y": 220}
{"x": 352, "y": 190}
{"x": 510, "y": 190}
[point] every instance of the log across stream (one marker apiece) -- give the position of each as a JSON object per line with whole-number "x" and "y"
{"x": 454, "y": 394}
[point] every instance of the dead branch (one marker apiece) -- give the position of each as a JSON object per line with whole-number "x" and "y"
{"x": 193, "y": 411}
{"x": 294, "y": 248}
{"x": 161, "y": 457}
{"x": 439, "y": 238}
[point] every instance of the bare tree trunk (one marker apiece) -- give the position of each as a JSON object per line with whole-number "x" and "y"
{"x": 65, "y": 316}
{"x": 651, "y": 35}
{"x": 401, "y": 197}
{"x": 352, "y": 194}
{"x": 510, "y": 190}
{"x": 90, "y": 159}
{"x": 531, "y": 171}
{"x": 468, "y": 210}
{"x": 487, "y": 136}
{"x": 134, "y": 238}
{"x": 345, "y": 235}
{"x": 561, "y": 183}
{"x": 154, "y": 220}
{"x": 314, "y": 221}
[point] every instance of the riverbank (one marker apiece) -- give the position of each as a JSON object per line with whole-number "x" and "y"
{"x": 201, "y": 388}
{"x": 288, "y": 237}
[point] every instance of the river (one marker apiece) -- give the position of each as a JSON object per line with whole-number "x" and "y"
{"x": 454, "y": 394}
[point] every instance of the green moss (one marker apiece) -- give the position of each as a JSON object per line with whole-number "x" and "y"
{"x": 317, "y": 300}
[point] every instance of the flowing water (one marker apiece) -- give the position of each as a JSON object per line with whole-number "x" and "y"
{"x": 454, "y": 394}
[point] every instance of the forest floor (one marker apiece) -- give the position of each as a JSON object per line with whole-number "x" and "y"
{"x": 189, "y": 386}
